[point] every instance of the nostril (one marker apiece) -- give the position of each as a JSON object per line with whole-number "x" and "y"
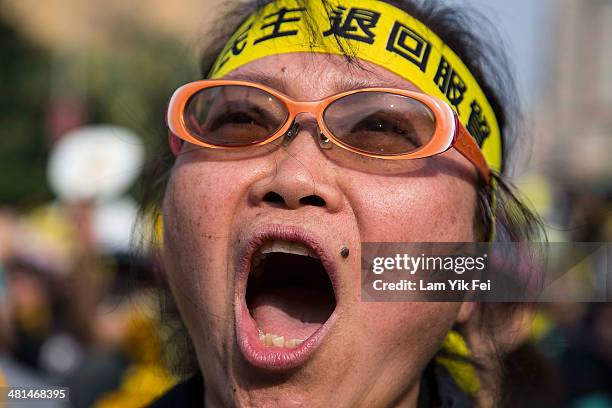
{"x": 314, "y": 200}
{"x": 272, "y": 197}
{"x": 275, "y": 198}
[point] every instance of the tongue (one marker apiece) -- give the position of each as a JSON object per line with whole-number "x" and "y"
{"x": 295, "y": 313}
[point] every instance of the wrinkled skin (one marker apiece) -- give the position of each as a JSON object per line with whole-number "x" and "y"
{"x": 375, "y": 352}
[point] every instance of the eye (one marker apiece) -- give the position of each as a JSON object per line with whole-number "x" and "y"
{"x": 376, "y": 124}
{"x": 237, "y": 116}
{"x": 234, "y": 115}
{"x": 238, "y": 123}
{"x": 388, "y": 128}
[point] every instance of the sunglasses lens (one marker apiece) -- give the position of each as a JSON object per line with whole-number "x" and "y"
{"x": 380, "y": 123}
{"x": 234, "y": 115}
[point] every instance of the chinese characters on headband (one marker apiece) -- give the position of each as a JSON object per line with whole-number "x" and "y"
{"x": 450, "y": 83}
{"x": 278, "y": 19}
{"x": 356, "y": 24}
{"x": 477, "y": 124}
{"x": 399, "y": 43}
{"x": 359, "y": 24}
{"x": 235, "y": 46}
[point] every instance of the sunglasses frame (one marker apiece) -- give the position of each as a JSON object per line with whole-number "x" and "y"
{"x": 449, "y": 131}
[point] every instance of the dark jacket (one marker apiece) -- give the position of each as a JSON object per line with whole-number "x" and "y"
{"x": 438, "y": 390}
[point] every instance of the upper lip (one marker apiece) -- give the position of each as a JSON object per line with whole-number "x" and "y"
{"x": 290, "y": 233}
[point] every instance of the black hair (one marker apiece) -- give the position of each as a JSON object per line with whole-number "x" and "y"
{"x": 500, "y": 212}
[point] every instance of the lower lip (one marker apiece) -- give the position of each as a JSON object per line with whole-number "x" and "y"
{"x": 270, "y": 357}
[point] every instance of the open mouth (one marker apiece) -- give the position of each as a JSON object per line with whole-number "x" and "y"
{"x": 285, "y": 298}
{"x": 289, "y": 293}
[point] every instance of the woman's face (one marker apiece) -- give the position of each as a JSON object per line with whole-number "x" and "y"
{"x": 238, "y": 226}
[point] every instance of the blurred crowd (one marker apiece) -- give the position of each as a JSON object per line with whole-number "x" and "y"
{"x": 78, "y": 305}
{"x": 74, "y": 315}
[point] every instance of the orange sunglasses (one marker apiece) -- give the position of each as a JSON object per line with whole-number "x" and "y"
{"x": 385, "y": 123}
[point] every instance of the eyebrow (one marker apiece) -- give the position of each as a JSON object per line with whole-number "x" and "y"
{"x": 343, "y": 84}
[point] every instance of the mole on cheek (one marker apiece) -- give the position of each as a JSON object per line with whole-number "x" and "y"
{"x": 344, "y": 252}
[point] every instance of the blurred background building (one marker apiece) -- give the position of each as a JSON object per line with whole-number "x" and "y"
{"x": 68, "y": 315}
{"x": 575, "y": 116}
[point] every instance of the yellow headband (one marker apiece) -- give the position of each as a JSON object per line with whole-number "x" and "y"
{"x": 376, "y": 32}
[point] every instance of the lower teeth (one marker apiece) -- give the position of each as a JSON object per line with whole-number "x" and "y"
{"x": 272, "y": 340}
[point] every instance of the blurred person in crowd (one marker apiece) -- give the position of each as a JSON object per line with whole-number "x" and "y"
{"x": 70, "y": 317}
{"x": 280, "y": 167}
{"x": 6, "y": 333}
{"x": 32, "y": 310}
{"x": 588, "y": 349}
{"x": 6, "y": 328}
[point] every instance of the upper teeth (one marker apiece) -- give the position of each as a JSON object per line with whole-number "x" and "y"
{"x": 287, "y": 247}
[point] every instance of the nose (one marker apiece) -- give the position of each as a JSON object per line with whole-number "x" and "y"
{"x": 301, "y": 176}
